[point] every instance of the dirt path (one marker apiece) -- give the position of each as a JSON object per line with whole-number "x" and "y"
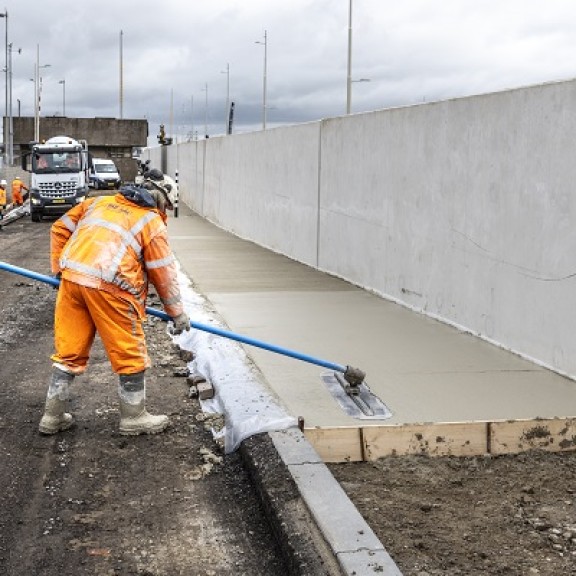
{"x": 508, "y": 515}
{"x": 89, "y": 501}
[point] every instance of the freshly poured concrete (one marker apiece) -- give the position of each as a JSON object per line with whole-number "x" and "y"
{"x": 425, "y": 371}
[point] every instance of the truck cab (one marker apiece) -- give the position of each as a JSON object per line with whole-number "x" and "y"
{"x": 58, "y": 175}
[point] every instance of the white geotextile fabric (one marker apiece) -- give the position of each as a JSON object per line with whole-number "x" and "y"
{"x": 248, "y": 405}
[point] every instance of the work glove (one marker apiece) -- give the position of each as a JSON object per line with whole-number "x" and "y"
{"x": 181, "y": 323}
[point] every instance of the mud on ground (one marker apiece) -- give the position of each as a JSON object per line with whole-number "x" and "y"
{"x": 89, "y": 501}
{"x": 505, "y": 515}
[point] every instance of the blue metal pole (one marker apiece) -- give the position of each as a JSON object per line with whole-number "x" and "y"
{"x": 199, "y": 326}
{"x": 29, "y": 274}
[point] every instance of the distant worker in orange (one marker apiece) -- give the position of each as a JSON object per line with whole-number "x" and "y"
{"x": 17, "y": 195}
{"x": 106, "y": 250}
{"x": 3, "y": 200}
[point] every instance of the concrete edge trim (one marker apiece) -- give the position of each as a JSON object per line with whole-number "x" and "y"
{"x": 350, "y": 538}
{"x": 299, "y": 540}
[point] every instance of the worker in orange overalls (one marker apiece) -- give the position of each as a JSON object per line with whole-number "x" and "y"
{"x": 17, "y": 187}
{"x": 105, "y": 250}
{"x": 3, "y": 200}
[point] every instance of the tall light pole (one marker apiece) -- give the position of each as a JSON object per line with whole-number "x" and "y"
{"x": 265, "y": 43}
{"x": 206, "y": 112}
{"x": 63, "y": 82}
{"x": 349, "y": 76}
{"x": 359, "y": 80}
{"x": 192, "y": 117}
{"x": 227, "y": 72}
{"x": 10, "y": 154}
{"x": 172, "y": 135}
{"x": 37, "y": 94}
{"x": 121, "y": 87}
{"x": 6, "y": 128}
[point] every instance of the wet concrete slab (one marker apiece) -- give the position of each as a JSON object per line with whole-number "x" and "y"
{"x": 422, "y": 369}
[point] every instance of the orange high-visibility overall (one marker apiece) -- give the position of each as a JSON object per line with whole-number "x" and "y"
{"x": 17, "y": 187}
{"x": 107, "y": 249}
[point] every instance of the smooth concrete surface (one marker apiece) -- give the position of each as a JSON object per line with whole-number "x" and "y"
{"x": 424, "y": 371}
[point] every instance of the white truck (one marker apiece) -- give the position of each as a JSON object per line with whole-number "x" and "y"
{"x": 58, "y": 175}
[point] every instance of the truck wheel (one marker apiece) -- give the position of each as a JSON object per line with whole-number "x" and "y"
{"x": 36, "y": 216}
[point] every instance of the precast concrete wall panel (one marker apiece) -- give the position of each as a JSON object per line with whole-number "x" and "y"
{"x": 199, "y": 184}
{"x": 186, "y": 159}
{"x": 462, "y": 209}
{"x": 213, "y": 167}
{"x": 389, "y": 184}
{"x": 186, "y": 165}
{"x": 386, "y": 180}
{"x": 154, "y": 155}
{"x": 263, "y": 186}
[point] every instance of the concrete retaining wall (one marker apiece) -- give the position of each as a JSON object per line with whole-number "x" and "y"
{"x": 462, "y": 209}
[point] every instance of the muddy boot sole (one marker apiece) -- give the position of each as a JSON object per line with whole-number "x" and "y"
{"x": 49, "y": 426}
{"x": 136, "y": 428}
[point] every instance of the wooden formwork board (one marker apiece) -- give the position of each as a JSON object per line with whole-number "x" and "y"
{"x": 443, "y": 439}
{"x": 512, "y": 437}
{"x": 337, "y": 444}
{"x": 351, "y": 444}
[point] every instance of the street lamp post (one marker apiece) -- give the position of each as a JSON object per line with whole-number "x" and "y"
{"x": 10, "y": 152}
{"x": 63, "y": 82}
{"x": 6, "y": 127}
{"x": 349, "y": 80}
{"x": 206, "y": 112}
{"x": 192, "y": 117}
{"x": 359, "y": 80}
{"x": 37, "y": 94}
{"x": 121, "y": 95}
{"x": 349, "y": 76}
{"x": 265, "y": 44}
{"x": 227, "y": 72}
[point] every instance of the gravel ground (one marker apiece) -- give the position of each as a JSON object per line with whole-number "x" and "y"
{"x": 89, "y": 501}
{"x": 505, "y": 515}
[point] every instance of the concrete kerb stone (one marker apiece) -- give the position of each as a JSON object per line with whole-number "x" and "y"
{"x": 302, "y": 545}
{"x": 317, "y": 527}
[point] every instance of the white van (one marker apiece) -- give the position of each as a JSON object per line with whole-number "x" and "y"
{"x": 104, "y": 174}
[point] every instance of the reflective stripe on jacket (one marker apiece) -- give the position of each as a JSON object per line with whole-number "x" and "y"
{"x": 111, "y": 244}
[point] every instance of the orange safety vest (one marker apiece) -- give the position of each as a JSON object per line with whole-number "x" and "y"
{"x": 2, "y": 196}
{"x": 17, "y": 187}
{"x": 112, "y": 244}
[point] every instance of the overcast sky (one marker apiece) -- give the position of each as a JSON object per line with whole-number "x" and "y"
{"x": 412, "y": 51}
